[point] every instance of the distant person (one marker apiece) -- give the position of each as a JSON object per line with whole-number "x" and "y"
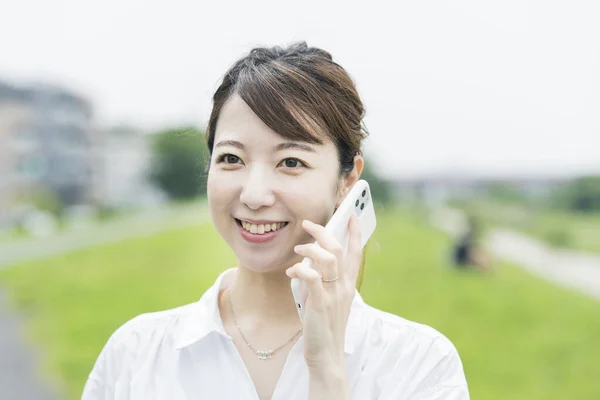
{"x": 468, "y": 252}
{"x": 284, "y": 139}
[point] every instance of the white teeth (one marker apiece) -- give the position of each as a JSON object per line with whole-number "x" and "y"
{"x": 262, "y": 228}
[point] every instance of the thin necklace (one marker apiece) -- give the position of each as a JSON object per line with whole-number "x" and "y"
{"x": 261, "y": 354}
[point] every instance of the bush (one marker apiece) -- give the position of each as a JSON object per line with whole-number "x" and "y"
{"x": 581, "y": 195}
{"x": 557, "y": 237}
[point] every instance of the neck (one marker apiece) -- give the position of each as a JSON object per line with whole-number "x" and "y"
{"x": 263, "y": 297}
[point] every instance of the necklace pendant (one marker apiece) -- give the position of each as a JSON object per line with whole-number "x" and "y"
{"x": 264, "y": 354}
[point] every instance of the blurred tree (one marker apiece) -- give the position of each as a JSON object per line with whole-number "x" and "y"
{"x": 381, "y": 189}
{"x": 582, "y": 194}
{"x": 505, "y": 193}
{"x": 178, "y": 161}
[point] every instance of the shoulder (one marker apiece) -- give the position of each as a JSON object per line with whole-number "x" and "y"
{"x": 127, "y": 348}
{"x": 148, "y": 330}
{"x": 141, "y": 337}
{"x": 394, "y": 329}
{"x": 413, "y": 356}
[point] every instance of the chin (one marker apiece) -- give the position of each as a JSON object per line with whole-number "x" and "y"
{"x": 260, "y": 263}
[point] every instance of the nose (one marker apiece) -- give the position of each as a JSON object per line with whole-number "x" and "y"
{"x": 257, "y": 191}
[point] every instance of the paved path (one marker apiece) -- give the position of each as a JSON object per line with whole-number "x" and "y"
{"x": 573, "y": 269}
{"x": 19, "y": 379}
{"x": 143, "y": 223}
{"x": 568, "y": 268}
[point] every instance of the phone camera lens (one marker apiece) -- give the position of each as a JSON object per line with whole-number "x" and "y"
{"x": 356, "y": 204}
{"x": 362, "y": 206}
{"x": 364, "y": 193}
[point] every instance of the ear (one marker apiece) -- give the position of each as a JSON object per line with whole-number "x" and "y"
{"x": 349, "y": 180}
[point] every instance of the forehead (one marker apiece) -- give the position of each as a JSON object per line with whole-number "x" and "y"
{"x": 237, "y": 121}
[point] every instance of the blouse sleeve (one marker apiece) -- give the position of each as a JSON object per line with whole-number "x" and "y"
{"x": 435, "y": 374}
{"x": 100, "y": 384}
{"x": 446, "y": 381}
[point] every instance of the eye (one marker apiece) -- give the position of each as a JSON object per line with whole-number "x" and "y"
{"x": 292, "y": 163}
{"x": 228, "y": 159}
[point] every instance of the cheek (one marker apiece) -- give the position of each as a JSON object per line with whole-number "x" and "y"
{"x": 220, "y": 191}
{"x": 312, "y": 200}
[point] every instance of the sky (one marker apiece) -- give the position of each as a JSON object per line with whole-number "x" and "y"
{"x": 467, "y": 87}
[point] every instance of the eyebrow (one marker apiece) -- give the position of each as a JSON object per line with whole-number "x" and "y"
{"x": 232, "y": 143}
{"x": 297, "y": 146}
{"x": 279, "y": 147}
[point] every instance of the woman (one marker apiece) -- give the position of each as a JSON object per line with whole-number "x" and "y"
{"x": 284, "y": 137}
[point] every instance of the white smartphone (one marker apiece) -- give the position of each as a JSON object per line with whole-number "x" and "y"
{"x": 358, "y": 201}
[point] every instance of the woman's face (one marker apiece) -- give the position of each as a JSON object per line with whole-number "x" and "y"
{"x": 261, "y": 187}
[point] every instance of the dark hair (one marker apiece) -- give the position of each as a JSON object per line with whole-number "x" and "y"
{"x": 300, "y": 93}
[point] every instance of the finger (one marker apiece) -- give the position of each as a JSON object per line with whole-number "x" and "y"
{"x": 354, "y": 256}
{"x": 323, "y": 261}
{"x": 325, "y": 239}
{"x": 312, "y": 279}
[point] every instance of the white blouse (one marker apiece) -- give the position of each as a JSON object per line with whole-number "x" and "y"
{"x": 186, "y": 354}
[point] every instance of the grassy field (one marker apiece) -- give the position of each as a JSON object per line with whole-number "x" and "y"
{"x": 558, "y": 228}
{"x": 519, "y": 338}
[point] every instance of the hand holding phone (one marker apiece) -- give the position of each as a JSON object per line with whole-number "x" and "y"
{"x": 358, "y": 201}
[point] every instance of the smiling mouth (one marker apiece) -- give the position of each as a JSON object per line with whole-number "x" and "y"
{"x": 261, "y": 229}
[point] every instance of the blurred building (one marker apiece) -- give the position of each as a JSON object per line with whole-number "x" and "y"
{"x": 50, "y": 147}
{"x": 437, "y": 189}
{"x": 46, "y": 146}
{"x": 126, "y": 153}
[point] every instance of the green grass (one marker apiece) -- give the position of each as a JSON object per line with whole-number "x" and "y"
{"x": 580, "y": 231}
{"x": 76, "y": 301}
{"x": 557, "y": 228}
{"x": 519, "y": 337}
